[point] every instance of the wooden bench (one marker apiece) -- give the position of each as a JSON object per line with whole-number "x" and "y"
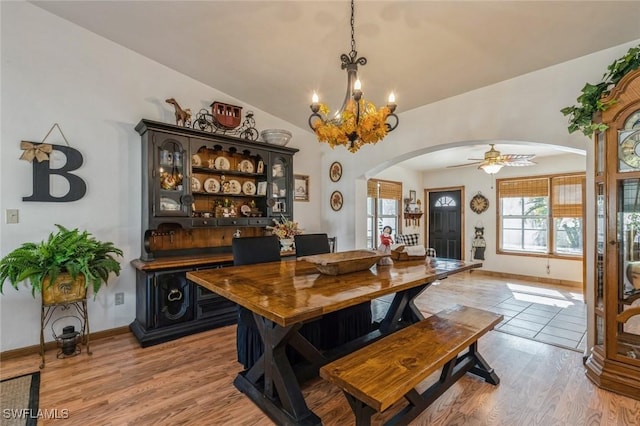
{"x": 379, "y": 375}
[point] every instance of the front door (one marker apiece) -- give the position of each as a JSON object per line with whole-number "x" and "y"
{"x": 445, "y": 223}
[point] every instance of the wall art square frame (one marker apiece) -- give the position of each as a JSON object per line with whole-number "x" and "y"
{"x": 412, "y": 196}
{"x": 300, "y": 188}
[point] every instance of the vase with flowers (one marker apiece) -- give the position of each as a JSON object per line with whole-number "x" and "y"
{"x": 285, "y": 230}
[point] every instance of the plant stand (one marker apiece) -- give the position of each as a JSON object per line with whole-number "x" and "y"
{"x": 46, "y": 314}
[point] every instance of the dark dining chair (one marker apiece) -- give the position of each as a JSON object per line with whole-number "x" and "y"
{"x": 248, "y": 251}
{"x": 310, "y": 244}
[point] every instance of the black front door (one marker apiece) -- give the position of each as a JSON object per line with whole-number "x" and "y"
{"x": 445, "y": 223}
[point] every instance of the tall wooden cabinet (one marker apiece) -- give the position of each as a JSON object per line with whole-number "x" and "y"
{"x": 614, "y": 361}
{"x": 199, "y": 191}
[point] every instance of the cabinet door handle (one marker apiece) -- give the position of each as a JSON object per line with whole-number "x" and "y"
{"x": 613, "y": 242}
{"x": 174, "y": 295}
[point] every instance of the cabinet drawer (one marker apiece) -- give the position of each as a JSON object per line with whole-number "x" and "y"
{"x": 203, "y": 222}
{"x": 232, "y": 221}
{"x": 259, "y": 221}
{"x": 204, "y": 294}
{"x": 215, "y": 307}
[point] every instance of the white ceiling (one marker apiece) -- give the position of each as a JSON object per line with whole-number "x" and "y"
{"x": 274, "y": 54}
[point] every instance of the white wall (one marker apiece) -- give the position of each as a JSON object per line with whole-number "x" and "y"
{"x": 475, "y": 181}
{"x": 97, "y": 91}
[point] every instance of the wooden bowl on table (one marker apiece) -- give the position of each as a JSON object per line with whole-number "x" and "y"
{"x": 344, "y": 262}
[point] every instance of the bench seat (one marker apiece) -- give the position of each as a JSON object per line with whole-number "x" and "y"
{"x": 382, "y": 373}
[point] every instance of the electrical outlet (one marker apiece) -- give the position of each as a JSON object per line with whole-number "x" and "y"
{"x": 119, "y": 298}
{"x": 11, "y": 216}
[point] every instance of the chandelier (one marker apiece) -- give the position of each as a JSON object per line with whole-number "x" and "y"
{"x": 358, "y": 121}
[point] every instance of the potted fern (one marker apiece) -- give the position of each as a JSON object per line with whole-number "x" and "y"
{"x": 62, "y": 266}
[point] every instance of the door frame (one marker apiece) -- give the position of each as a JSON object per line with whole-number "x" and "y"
{"x": 463, "y": 202}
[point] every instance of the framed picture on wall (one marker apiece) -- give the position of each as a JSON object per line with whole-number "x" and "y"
{"x": 335, "y": 171}
{"x": 336, "y": 200}
{"x": 301, "y": 188}
{"x": 412, "y": 196}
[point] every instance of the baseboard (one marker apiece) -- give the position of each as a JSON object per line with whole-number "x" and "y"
{"x": 35, "y": 349}
{"x": 542, "y": 280}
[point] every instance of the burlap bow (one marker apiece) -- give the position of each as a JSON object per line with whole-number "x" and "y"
{"x": 38, "y": 151}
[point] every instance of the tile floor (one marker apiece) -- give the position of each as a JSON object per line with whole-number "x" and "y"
{"x": 556, "y": 317}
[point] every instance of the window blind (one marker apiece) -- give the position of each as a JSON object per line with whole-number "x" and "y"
{"x": 523, "y": 188}
{"x": 384, "y": 189}
{"x": 566, "y": 200}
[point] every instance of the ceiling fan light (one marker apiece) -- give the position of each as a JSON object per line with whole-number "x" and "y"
{"x": 491, "y": 169}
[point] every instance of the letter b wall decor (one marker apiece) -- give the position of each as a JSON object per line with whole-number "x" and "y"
{"x": 42, "y": 173}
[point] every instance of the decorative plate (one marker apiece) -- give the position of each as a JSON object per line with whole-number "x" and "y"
{"x": 234, "y": 187}
{"x": 249, "y": 188}
{"x": 222, "y": 163}
{"x": 212, "y": 185}
{"x": 196, "y": 160}
{"x": 195, "y": 184}
{"x": 245, "y": 210}
{"x": 336, "y": 200}
{"x": 246, "y": 166}
{"x": 335, "y": 171}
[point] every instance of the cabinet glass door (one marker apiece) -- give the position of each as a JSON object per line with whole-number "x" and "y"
{"x": 628, "y": 230}
{"x": 169, "y": 176}
{"x": 628, "y": 315}
{"x": 281, "y": 186}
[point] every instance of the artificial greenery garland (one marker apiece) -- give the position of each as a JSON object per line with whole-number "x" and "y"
{"x": 590, "y": 101}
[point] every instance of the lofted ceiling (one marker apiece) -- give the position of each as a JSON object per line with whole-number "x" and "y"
{"x": 274, "y": 54}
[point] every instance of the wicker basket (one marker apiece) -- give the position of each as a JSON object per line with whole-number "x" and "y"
{"x": 344, "y": 262}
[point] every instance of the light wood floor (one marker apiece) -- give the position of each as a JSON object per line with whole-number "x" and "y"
{"x": 189, "y": 381}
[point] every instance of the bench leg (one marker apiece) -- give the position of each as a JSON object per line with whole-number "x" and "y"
{"x": 452, "y": 371}
{"x": 482, "y": 367}
{"x": 361, "y": 410}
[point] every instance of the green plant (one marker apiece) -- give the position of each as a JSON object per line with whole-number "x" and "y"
{"x": 69, "y": 251}
{"x": 590, "y": 101}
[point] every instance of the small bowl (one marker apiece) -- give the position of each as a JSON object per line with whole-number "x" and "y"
{"x": 276, "y": 136}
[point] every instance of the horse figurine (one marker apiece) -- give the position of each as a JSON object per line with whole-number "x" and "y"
{"x": 183, "y": 116}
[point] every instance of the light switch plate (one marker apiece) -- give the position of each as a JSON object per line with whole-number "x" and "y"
{"x": 11, "y": 216}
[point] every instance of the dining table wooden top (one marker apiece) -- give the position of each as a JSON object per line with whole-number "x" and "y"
{"x": 290, "y": 291}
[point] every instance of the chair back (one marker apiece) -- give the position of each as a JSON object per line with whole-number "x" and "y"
{"x": 310, "y": 244}
{"x": 250, "y": 250}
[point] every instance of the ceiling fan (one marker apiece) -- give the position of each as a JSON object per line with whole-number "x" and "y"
{"x": 493, "y": 161}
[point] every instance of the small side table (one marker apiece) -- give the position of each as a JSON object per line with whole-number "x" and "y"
{"x": 46, "y": 313}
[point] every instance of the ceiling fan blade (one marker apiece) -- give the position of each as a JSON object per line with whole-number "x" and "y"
{"x": 464, "y": 165}
{"x": 517, "y": 157}
{"x": 519, "y": 163}
{"x": 475, "y": 159}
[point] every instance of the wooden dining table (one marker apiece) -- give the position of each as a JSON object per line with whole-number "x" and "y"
{"x": 287, "y": 294}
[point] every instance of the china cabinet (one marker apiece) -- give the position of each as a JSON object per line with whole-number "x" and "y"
{"x": 199, "y": 191}
{"x": 614, "y": 361}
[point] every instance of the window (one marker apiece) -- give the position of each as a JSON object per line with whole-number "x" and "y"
{"x": 383, "y": 201}
{"x": 541, "y": 215}
{"x": 445, "y": 201}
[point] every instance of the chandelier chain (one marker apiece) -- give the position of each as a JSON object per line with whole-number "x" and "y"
{"x": 353, "y": 37}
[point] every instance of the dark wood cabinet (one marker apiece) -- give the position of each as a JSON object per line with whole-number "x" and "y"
{"x": 199, "y": 191}
{"x": 169, "y": 306}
